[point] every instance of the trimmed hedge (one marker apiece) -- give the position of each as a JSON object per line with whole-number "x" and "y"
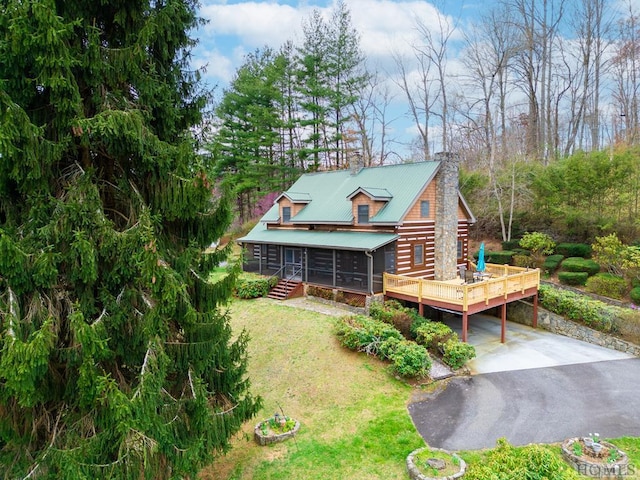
{"x": 573, "y": 278}
{"x": 607, "y": 284}
{"x": 500, "y": 258}
{"x": 511, "y": 244}
{"x": 580, "y": 308}
{"x": 552, "y": 262}
{"x": 573, "y": 250}
{"x": 252, "y": 286}
{"x": 579, "y": 264}
{"x": 635, "y": 295}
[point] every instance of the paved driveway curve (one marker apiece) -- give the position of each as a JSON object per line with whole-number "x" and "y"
{"x": 540, "y": 405}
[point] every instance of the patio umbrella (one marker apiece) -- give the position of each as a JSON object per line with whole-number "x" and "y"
{"x": 481, "y": 266}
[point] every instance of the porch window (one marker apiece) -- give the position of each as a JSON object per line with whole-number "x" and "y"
{"x": 425, "y": 208}
{"x": 363, "y": 213}
{"x": 286, "y": 214}
{"x": 418, "y": 254}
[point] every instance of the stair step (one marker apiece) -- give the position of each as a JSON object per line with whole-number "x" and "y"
{"x": 283, "y": 289}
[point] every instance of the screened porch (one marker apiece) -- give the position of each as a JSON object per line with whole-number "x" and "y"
{"x": 349, "y": 270}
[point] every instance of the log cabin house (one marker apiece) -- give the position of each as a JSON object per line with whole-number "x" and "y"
{"x": 399, "y": 230}
{"x": 345, "y": 228}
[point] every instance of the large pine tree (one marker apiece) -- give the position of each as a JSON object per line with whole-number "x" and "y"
{"x": 116, "y": 356}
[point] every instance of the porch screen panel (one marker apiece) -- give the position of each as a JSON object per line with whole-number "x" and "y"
{"x": 378, "y": 269}
{"x": 271, "y": 259}
{"x": 320, "y": 266}
{"x": 351, "y": 270}
{"x": 251, "y": 258}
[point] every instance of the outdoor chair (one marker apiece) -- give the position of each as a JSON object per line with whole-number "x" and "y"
{"x": 468, "y": 276}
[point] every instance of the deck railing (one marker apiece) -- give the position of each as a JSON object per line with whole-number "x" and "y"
{"x": 499, "y": 281}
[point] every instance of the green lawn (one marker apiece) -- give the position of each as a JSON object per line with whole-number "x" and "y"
{"x": 353, "y": 414}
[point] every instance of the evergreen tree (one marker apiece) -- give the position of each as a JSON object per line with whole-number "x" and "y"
{"x": 116, "y": 358}
{"x": 247, "y": 148}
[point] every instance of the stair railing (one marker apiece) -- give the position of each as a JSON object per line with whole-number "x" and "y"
{"x": 297, "y": 271}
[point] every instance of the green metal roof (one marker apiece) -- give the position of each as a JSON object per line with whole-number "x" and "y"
{"x": 375, "y": 193}
{"x": 296, "y": 197}
{"x": 313, "y": 238}
{"x": 400, "y": 184}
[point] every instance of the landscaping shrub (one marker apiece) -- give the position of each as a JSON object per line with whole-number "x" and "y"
{"x": 573, "y": 250}
{"x": 394, "y": 313}
{"x": 552, "y": 262}
{"x": 456, "y": 353}
{"x": 573, "y": 278}
{"x": 523, "y": 261}
{"x": 635, "y": 295}
{"x": 252, "y": 286}
{"x": 510, "y": 244}
{"x": 364, "y": 334}
{"x": 410, "y": 359}
{"x": 418, "y": 321}
{"x": 579, "y": 264}
{"x": 628, "y": 322}
{"x": 580, "y": 308}
{"x": 320, "y": 292}
{"x": 431, "y": 334}
{"x": 607, "y": 284}
{"x": 501, "y": 258}
{"x": 506, "y": 462}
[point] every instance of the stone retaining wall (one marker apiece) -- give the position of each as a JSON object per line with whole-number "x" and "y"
{"x": 522, "y": 312}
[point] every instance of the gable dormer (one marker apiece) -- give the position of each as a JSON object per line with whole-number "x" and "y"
{"x": 366, "y": 202}
{"x": 290, "y": 204}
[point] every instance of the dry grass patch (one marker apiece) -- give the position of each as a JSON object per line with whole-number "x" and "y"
{"x": 353, "y": 414}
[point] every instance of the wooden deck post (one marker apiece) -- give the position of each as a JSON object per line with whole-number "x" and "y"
{"x": 465, "y": 324}
{"x": 503, "y": 333}
{"x": 421, "y": 309}
{"x": 535, "y": 310}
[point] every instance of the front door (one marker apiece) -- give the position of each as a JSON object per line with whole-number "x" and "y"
{"x": 293, "y": 263}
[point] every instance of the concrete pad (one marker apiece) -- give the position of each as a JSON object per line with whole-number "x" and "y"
{"x": 525, "y": 347}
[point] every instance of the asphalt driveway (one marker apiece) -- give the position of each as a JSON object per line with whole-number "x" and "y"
{"x": 580, "y": 389}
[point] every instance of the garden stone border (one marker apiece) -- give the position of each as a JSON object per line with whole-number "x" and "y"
{"x": 269, "y": 439}
{"x": 613, "y": 470}
{"x": 415, "y": 474}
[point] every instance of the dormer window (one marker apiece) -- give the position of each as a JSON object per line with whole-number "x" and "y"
{"x": 363, "y": 214}
{"x": 286, "y": 214}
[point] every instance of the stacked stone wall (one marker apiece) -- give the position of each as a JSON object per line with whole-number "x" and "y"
{"x": 522, "y": 312}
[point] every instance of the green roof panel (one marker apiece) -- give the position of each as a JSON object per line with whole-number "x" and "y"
{"x": 359, "y": 241}
{"x": 401, "y": 184}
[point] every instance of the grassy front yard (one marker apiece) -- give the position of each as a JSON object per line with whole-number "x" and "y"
{"x": 354, "y": 415}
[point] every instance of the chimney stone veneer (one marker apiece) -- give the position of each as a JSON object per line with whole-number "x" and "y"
{"x": 446, "y": 221}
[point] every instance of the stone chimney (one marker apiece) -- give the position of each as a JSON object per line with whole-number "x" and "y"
{"x": 356, "y": 162}
{"x": 446, "y": 227}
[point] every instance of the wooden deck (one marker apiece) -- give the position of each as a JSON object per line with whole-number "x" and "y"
{"x": 501, "y": 285}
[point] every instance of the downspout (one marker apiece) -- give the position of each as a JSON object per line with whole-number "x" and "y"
{"x": 370, "y": 272}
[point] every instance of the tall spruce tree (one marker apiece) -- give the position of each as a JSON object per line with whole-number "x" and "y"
{"x": 116, "y": 356}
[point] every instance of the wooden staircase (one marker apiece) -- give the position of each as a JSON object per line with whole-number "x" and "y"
{"x": 286, "y": 289}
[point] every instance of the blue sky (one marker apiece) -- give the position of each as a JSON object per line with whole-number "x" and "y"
{"x": 236, "y": 28}
{"x": 386, "y": 27}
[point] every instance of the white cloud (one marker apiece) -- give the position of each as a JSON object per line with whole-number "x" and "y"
{"x": 385, "y": 26}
